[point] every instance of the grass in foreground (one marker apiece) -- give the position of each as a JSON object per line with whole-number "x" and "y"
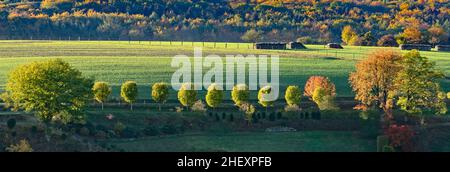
{"x": 302, "y": 141}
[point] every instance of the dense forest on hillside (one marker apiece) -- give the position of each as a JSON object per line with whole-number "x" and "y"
{"x": 354, "y": 22}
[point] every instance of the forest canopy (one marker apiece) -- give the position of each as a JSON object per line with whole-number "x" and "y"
{"x": 314, "y": 21}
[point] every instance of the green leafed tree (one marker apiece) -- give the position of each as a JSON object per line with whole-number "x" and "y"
{"x": 160, "y": 93}
{"x": 52, "y": 89}
{"x": 323, "y": 99}
{"x": 418, "y": 86}
{"x": 129, "y": 92}
{"x": 293, "y": 95}
{"x": 101, "y": 92}
{"x": 240, "y": 94}
{"x": 187, "y": 95}
{"x": 214, "y": 97}
{"x": 261, "y": 93}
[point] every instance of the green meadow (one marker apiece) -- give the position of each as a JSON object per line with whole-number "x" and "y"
{"x": 148, "y": 62}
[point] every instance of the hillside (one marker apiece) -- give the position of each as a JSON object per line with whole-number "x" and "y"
{"x": 312, "y": 21}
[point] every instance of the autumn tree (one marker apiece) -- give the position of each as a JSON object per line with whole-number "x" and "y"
{"x": 160, "y": 93}
{"x": 214, "y": 96}
{"x": 373, "y": 80}
{"x": 437, "y": 35}
{"x": 319, "y": 81}
{"x": 52, "y": 89}
{"x": 129, "y": 92}
{"x": 412, "y": 35}
{"x": 187, "y": 95}
{"x": 101, "y": 92}
{"x": 349, "y": 35}
{"x": 417, "y": 86}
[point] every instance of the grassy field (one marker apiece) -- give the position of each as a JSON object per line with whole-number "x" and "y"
{"x": 304, "y": 141}
{"x": 149, "y": 62}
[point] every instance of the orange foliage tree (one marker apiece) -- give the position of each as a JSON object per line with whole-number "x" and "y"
{"x": 373, "y": 80}
{"x": 315, "y": 82}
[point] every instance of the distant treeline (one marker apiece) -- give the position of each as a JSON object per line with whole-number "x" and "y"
{"x": 309, "y": 21}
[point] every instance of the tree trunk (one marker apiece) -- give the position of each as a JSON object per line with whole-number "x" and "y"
{"x": 131, "y": 106}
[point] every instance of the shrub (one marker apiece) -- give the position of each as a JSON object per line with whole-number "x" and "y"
{"x": 129, "y": 92}
{"x": 400, "y": 137}
{"x": 448, "y": 95}
{"x": 291, "y": 111}
{"x": 214, "y": 96}
{"x": 272, "y": 116}
{"x": 248, "y": 110}
{"x": 101, "y": 92}
{"x": 279, "y": 115}
{"x": 151, "y": 131}
{"x": 387, "y": 41}
{"x": 322, "y": 98}
{"x": 160, "y": 93}
{"x": 240, "y": 94}
{"x": 292, "y": 108}
{"x": 319, "y": 81}
{"x": 293, "y": 95}
{"x": 11, "y": 123}
{"x": 187, "y": 95}
{"x": 231, "y": 117}
{"x": 84, "y": 131}
{"x": 169, "y": 129}
{"x": 315, "y": 115}
{"x": 23, "y": 146}
{"x": 198, "y": 106}
{"x": 101, "y": 135}
{"x": 370, "y": 125}
{"x": 217, "y": 117}
{"x": 382, "y": 142}
{"x": 119, "y": 127}
{"x": 224, "y": 115}
{"x": 129, "y": 132}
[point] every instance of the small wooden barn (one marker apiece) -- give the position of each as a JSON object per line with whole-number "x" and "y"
{"x": 271, "y": 45}
{"x": 420, "y": 47}
{"x": 334, "y": 45}
{"x": 295, "y": 45}
{"x": 442, "y": 47}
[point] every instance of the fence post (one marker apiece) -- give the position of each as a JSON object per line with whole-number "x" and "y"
{"x": 226, "y": 44}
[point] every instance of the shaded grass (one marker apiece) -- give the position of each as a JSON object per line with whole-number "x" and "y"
{"x": 305, "y": 141}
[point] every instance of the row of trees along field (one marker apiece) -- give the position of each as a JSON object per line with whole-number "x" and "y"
{"x": 55, "y": 91}
{"x": 353, "y": 22}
